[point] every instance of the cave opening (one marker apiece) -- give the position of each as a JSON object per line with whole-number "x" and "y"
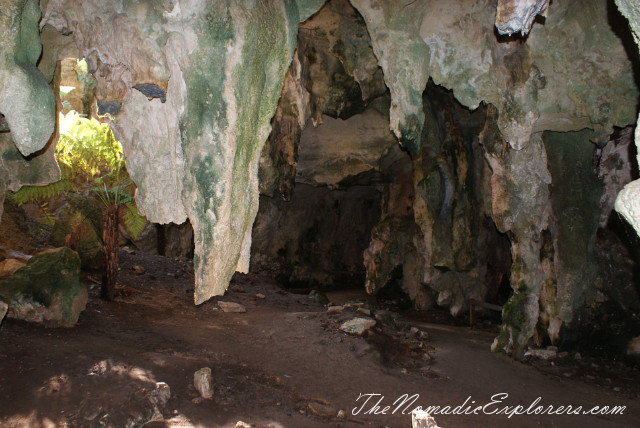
{"x": 338, "y": 206}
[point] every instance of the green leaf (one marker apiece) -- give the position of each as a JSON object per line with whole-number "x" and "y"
{"x": 134, "y": 222}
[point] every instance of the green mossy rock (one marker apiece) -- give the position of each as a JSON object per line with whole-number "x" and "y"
{"x": 78, "y": 225}
{"x": 47, "y": 289}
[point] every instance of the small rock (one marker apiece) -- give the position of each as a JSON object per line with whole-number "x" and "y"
{"x": 237, "y": 288}
{"x": 202, "y": 382}
{"x": 577, "y": 356}
{"x": 241, "y": 424}
{"x": 563, "y": 354}
{"x": 544, "y": 354}
{"x": 364, "y": 311}
{"x": 342, "y": 414}
{"x": 137, "y": 270}
{"x": 633, "y": 348}
{"x": 323, "y": 410}
{"x": 357, "y": 325}
{"x": 197, "y": 400}
{"x": 161, "y": 394}
{"x": 9, "y": 266}
{"x": 232, "y": 307}
{"x": 422, "y": 419}
{"x": 260, "y": 296}
{"x": 335, "y": 309}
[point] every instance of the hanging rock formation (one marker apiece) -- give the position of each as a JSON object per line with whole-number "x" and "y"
{"x": 193, "y": 86}
{"x": 556, "y": 79}
{"x": 26, "y": 100}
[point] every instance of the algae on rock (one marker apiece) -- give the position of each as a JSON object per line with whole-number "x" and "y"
{"x": 47, "y": 289}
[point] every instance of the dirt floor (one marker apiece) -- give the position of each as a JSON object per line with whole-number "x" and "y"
{"x": 282, "y": 363}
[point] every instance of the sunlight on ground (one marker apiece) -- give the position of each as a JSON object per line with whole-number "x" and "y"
{"x": 32, "y": 421}
{"x": 108, "y": 366}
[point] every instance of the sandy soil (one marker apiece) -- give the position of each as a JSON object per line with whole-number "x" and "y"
{"x": 282, "y": 363}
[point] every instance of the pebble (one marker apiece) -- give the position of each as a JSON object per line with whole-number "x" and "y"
{"x": 323, "y": 410}
{"x": 241, "y": 424}
{"x": 202, "y": 382}
{"x": 260, "y": 296}
{"x": 232, "y": 307}
{"x": 342, "y": 414}
{"x": 335, "y": 309}
{"x": 357, "y": 325}
{"x": 237, "y": 288}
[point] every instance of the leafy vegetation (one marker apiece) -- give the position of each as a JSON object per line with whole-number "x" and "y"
{"x": 90, "y": 159}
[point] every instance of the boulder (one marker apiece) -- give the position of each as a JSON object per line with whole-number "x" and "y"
{"x": 47, "y": 289}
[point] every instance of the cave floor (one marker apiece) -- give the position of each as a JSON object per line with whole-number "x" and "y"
{"x": 283, "y": 363}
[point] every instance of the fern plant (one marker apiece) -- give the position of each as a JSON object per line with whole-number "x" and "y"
{"x": 90, "y": 158}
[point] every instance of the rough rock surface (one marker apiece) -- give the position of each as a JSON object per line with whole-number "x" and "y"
{"x": 26, "y": 99}
{"x": 338, "y": 149}
{"x": 545, "y": 83}
{"x": 628, "y": 201}
{"x": 517, "y": 16}
{"x": 47, "y": 289}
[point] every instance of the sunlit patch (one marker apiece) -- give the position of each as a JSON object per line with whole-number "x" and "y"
{"x": 107, "y": 366}
{"x": 32, "y": 421}
{"x": 57, "y": 384}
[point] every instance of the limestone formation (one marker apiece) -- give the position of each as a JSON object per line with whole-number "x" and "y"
{"x": 517, "y": 16}
{"x": 628, "y": 201}
{"x": 543, "y": 83}
{"x": 221, "y": 70}
{"x": 338, "y": 149}
{"x": 26, "y": 99}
